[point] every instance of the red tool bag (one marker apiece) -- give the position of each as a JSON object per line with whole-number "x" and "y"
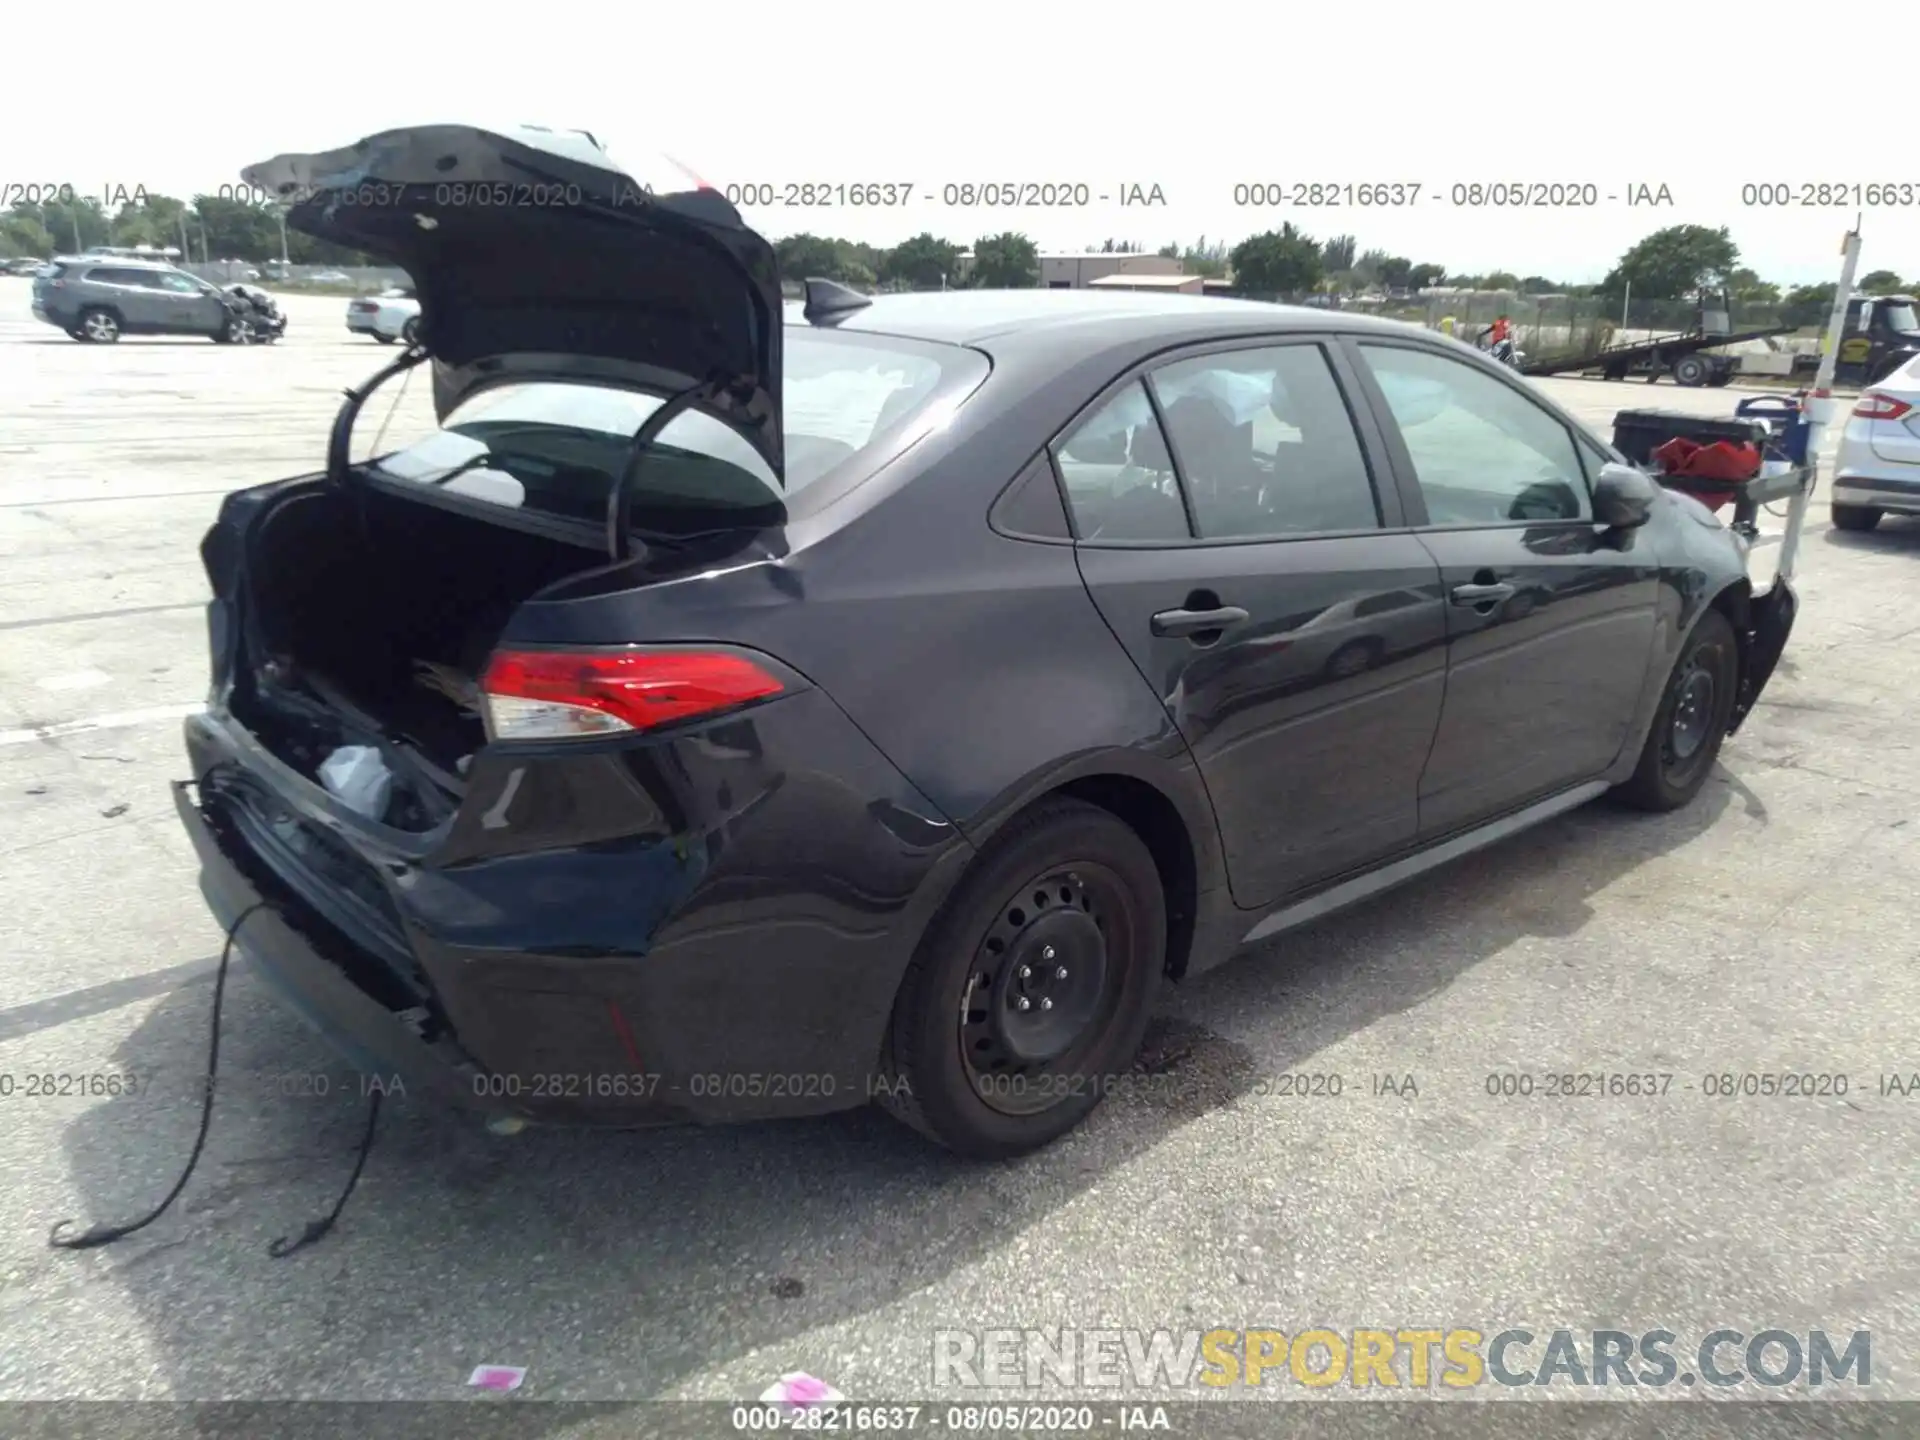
{"x": 1712, "y": 474}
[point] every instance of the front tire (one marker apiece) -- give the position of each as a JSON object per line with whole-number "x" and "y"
{"x": 1033, "y": 986}
{"x": 1691, "y": 723}
{"x": 382, "y": 338}
{"x": 410, "y": 332}
{"x": 1855, "y": 517}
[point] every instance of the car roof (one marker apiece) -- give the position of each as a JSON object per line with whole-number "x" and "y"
{"x": 1006, "y": 317}
{"x": 118, "y": 262}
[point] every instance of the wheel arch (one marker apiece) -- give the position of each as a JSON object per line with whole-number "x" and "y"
{"x": 1161, "y": 801}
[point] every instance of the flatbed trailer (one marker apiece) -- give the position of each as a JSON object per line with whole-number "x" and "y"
{"x": 1683, "y": 356}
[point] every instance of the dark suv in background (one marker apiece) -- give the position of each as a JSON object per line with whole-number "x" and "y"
{"x": 101, "y": 298}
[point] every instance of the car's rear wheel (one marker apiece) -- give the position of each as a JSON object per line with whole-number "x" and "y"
{"x": 100, "y": 327}
{"x": 1033, "y": 987}
{"x": 1855, "y": 517}
{"x": 1691, "y": 723}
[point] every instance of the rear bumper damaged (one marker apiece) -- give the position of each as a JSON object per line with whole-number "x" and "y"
{"x": 741, "y": 967}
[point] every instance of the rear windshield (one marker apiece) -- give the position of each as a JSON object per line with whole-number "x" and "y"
{"x": 558, "y": 446}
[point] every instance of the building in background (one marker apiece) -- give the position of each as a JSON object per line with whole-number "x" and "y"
{"x": 1077, "y": 272}
{"x": 1158, "y": 284}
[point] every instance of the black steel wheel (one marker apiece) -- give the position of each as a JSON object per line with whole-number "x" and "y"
{"x": 1691, "y": 723}
{"x": 1854, "y": 517}
{"x": 1033, "y": 987}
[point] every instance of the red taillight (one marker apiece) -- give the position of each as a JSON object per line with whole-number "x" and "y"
{"x": 561, "y": 694}
{"x": 364, "y": 307}
{"x": 1880, "y": 407}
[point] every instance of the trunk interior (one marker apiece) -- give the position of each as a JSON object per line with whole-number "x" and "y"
{"x": 374, "y": 613}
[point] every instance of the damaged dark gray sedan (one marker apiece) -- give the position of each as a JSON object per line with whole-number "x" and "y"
{"x": 730, "y": 713}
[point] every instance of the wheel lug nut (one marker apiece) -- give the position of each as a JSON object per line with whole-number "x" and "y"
{"x": 1023, "y": 1003}
{"x": 1046, "y": 1004}
{"x": 1026, "y": 973}
{"x": 1047, "y": 954}
{"x": 1061, "y": 973}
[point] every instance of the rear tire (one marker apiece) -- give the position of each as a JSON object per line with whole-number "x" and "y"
{"x": 1855, "y": 517}
{"x": 1692, "y": 370}
{"x": 1066, "y": 912}
{"x": 99, "y": 326}
{"x": 1691, "y": 723}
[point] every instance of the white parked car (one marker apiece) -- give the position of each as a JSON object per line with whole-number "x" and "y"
{"x": 389, "y": 316}
{"x": 1878, "y": 470}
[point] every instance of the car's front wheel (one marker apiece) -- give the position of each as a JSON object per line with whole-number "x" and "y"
{"x": 1855, "y": 517}
{"x": 1032, "y": 989}
{"x": 384, "y": 339}
{"x": 410, "y": 332}
{"x": 1692, "y": 720}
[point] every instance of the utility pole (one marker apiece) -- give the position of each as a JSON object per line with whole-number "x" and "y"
{"x": 280, "y": 213}
{"x": 1820, "y": 403}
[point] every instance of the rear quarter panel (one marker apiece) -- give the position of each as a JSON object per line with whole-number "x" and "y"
{"x": 976, "y": 663}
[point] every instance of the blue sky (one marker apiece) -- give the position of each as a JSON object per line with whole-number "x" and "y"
{"x": 1195, "y": 100}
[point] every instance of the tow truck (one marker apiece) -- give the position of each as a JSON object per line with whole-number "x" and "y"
{"x": 1688, "y": 355}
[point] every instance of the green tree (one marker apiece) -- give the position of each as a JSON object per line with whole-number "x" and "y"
{"x": 1808, "y": 305}
{"x": 1396, "y": 272}
{"x": 234, "y": 229}
{"x": 809, "y": 257}
{"x": 25, "y": 235}
{"x": 1007, "y": 261}
{"x": 1881, "y": 282}
{"x": 1745, "y": 287}
{"x": 1501, "y": 280}
{"x": 1276, "y": 262}
{"x": 1674, "y": 263}
{"x": 1539, "y": 285}
{"x": 925, "y": 262}
{"x": 1337, "y": 255}
{"x": 1425, "y": 275}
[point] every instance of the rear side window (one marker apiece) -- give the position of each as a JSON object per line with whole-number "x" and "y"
{"x": 558, "y": 447}
{"x": 112, "y": 275}
{"x": 1118, "y": 473}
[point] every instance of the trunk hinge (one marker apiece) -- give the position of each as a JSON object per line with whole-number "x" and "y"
{"x": 620, "y": 502}
{"x": 340, "y": 441}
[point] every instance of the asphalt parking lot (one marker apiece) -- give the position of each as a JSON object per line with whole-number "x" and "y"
{"x": 1764, "y": 930}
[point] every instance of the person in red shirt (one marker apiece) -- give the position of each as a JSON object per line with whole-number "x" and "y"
{"x": 1501, "y": 329}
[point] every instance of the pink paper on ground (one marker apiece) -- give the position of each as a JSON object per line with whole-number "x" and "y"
{"x": 496, "y": 1377}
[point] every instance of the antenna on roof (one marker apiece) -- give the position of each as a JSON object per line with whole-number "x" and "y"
{"x": 828, "y": 301}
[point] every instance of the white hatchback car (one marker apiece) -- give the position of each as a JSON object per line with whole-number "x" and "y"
{"x": 1878, "y": 469}
{"x": 389, "y": 316}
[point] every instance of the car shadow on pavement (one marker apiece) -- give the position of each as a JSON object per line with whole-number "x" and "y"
{"x": 1895, "y": 534}
{"x": 620, "y": 1265}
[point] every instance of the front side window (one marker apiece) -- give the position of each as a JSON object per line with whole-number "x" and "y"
{"x": 1483, "y": 453}
{"x": 1265, "y": 444}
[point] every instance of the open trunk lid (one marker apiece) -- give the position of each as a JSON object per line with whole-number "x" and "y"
{"x": 535, "y": 257}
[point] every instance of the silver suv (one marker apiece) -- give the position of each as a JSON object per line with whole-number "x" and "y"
{"x": 102, "y": 297}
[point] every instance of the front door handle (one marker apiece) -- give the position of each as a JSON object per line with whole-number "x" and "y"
{"x": 1480, "y": 594}
{"x": 1171, "y": 624}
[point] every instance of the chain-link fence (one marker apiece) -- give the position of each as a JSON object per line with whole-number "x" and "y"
{"x": 1546, "y": 326}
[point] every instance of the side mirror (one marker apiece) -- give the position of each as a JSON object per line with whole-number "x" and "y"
{"x": 1623, "y": 497}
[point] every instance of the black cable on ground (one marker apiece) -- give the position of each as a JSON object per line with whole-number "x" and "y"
{"x": 284, "y": 1247}
{"x": 281, "y": 1248}
{"x": 107, "y": 1234}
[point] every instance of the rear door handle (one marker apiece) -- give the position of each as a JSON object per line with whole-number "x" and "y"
{"x": 1169, "y": 624}
{"x": 1480, "y": 594}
